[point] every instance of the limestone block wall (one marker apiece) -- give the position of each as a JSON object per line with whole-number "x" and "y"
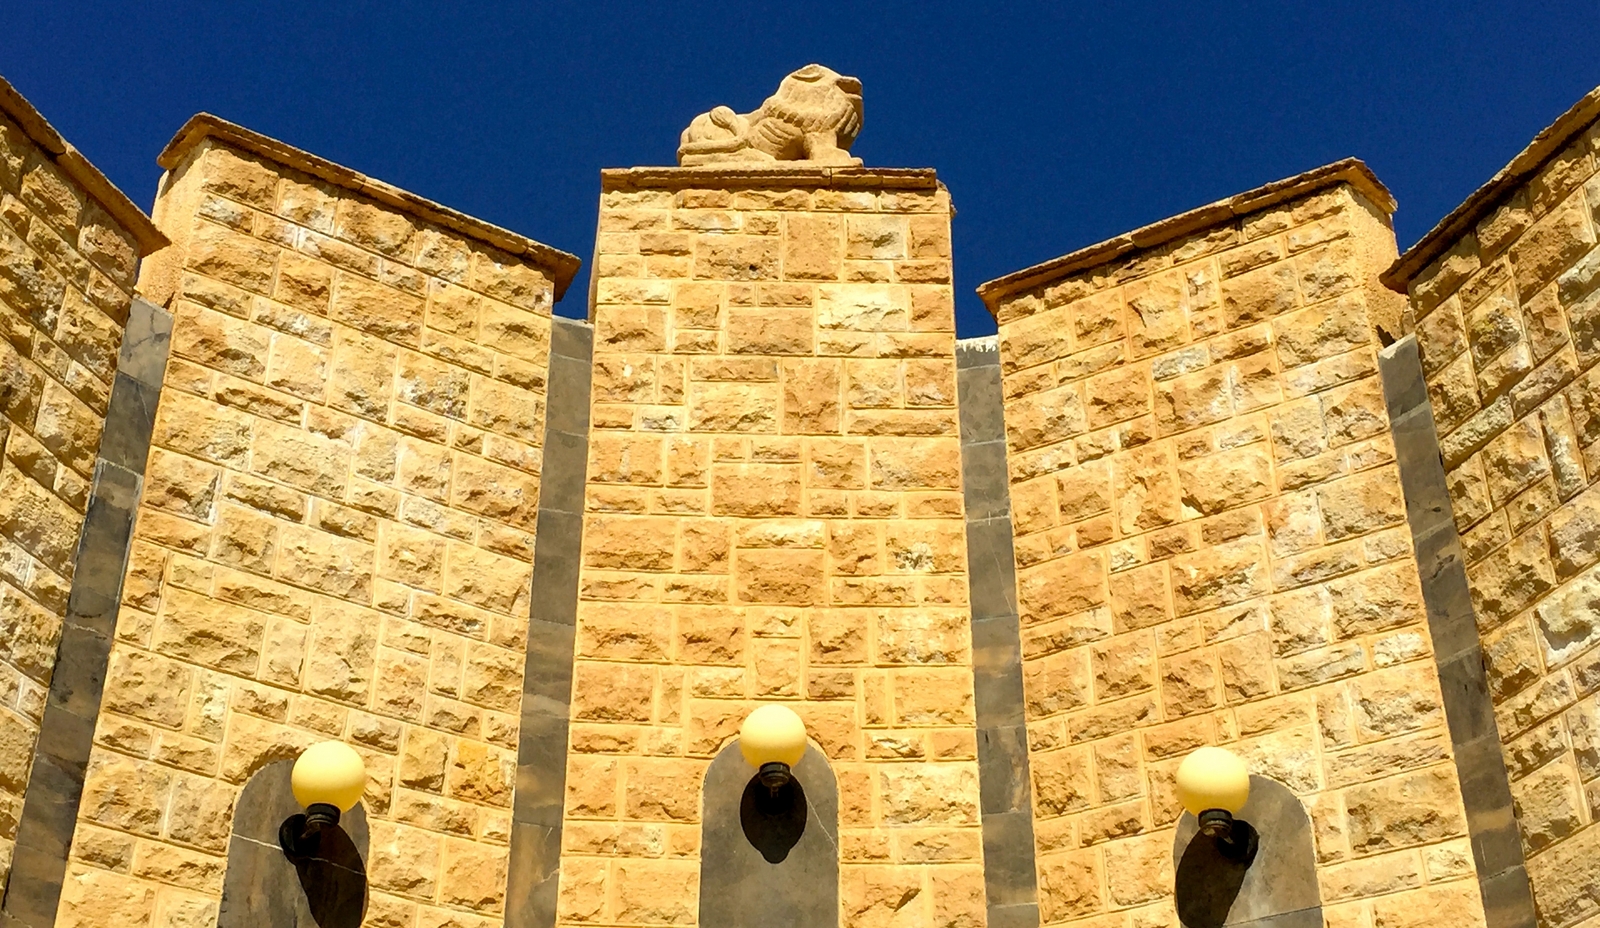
{"x": 1211, "y": 548}
{"x": 773, "y": 513}
{"x": 1507, "y": 317}
{"x": 70, "y": 245}
{"x": 335, "y": 535}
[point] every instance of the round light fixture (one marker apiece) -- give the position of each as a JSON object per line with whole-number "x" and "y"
{"x": 772, "y": 740}
{"x": 327, "y": 780}
{"x": 1213, "y": 785}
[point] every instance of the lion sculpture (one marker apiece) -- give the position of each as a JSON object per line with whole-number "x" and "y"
{"x": 814, "y": 116}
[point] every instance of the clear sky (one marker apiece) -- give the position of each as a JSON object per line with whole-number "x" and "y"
{"x": 1055, "y": 125}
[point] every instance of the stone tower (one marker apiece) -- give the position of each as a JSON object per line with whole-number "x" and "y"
{"x": 772, "y": 513}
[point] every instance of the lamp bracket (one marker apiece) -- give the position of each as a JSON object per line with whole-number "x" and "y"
{"x": 300, "y": 835}
{"x": 774, "y": 775}
{"x": 1235, "y": 838}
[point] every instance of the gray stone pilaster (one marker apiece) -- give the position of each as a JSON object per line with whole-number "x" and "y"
{"x": 1005, "y": 794}
{"x": 552, "y": 623}
{"x": 1452, "y": 623}
{"x": 61, "y": 757}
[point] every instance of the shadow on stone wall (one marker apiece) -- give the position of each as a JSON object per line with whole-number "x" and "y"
{"x": 769, "y": 861}
{"x": 773, "y": 821}
{"x": 1277, "y": 890}
{"x": 264, "y": 889}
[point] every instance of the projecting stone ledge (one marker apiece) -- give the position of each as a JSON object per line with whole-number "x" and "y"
{"x": 1350, "y": 171}
{"x": 561, "y": 265}
{"x": 790, "y": 173}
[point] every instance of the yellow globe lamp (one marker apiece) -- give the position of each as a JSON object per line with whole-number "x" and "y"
{"x": 1213, "y": 778}
{"x": 327, "y": 780}
{"x": 772, "y": 740}
{"x": 330, "y": 773}
{"x": 1213, "y": 785}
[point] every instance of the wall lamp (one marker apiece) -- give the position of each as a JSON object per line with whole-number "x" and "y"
{"x": 1213, "y": 784}
{"x": 327, "y": 781}
{"x": 772, "y": 740}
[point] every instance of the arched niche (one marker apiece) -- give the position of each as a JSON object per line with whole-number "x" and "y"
{"x": 791, "y": 880}
{"x": 264, "y": 889}
{"x": 1277, "y": 890}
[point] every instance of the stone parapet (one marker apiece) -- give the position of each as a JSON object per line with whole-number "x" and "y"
{"x": 1505, "y": 306}
{"x": 334, "y": 540}
{"x": 560, "y": 266}
{"x": 1152, "y": 237}
{"x": 91, "y": 183}
{"x": 1211, "y": 548}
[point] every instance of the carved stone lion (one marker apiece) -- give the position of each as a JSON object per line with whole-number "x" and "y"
{"x": 814, "y": 116}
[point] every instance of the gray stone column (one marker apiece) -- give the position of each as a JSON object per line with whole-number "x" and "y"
{"x": 1453, "y": 626}
{"x": 547, "y": 675}
{"x": 61, "y": 757}
{"x": 1005, "y": 794}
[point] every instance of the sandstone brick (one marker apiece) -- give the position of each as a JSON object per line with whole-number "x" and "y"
{"x": 89, "y": 895}
{"x": 1400, "y": 699}
{"x": 1510, "y": 578}
{"x": 1415, "y": 808}
{"x": 149, "y": 687}
{"x": 1260, "y": 294}
{"x": 1224, "y": 481}
{"x": 1193, "y": 400}
{"x": 1548, "y": 805}
{"x": 1148, "y": 863}
{"x": 1551, "y": 244}
{"x": 1069, "y": 885}
{"x": 1561, "y": 878}
{"x": 756, "y": 490}
{"x": 232, "y": 258}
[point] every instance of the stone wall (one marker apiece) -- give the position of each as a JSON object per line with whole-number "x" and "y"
{"x": 335, "y": 535}
{"x": 773, "y": 513}
{"x": 69, "y": 249}
{"x": 1507, "y": 316}
{"x": 1211, "y": 548}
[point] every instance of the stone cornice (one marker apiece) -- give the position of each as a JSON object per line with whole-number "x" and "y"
{"x": 1351, "y": 171}
{"x": 561, "y": 265}
{"x": 76, "y": 166}
{"x": 1464, "y": 218}
{"x": 777, "y": 174}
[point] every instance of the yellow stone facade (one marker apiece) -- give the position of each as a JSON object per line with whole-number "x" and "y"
{"x": 334, "y": 541}
{"x": 1507, "y": 318}
{"x": 773, "y": 513}
{"x": 1217, "y": 519}
{"x": 70, "y": 245}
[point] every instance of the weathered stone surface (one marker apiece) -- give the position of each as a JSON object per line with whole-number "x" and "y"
{"x": 797, "y": 536}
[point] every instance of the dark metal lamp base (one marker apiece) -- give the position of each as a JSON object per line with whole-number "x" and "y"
{"x": 301, "y": 835}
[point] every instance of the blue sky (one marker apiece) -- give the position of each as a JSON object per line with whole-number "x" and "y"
{"x": 1055, "y": 125}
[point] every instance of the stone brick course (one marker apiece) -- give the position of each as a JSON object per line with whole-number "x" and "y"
{"x": 1211, "y": 549}
{"x": 773, "y": 513}
{"x": 1504, "y": 317}
{"x": 335, "y": 540}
